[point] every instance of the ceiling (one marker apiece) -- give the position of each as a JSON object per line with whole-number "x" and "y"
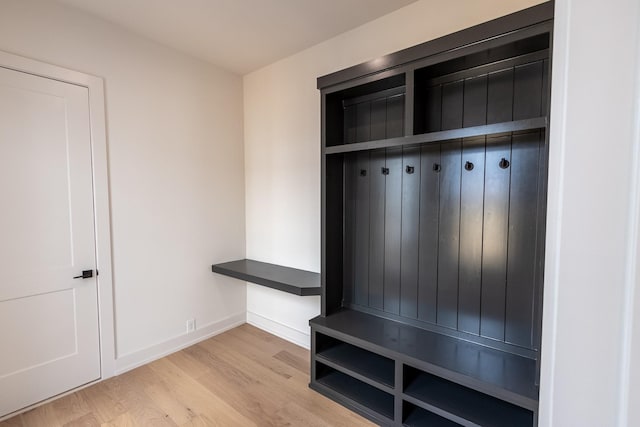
{"x": 239, "y": 35}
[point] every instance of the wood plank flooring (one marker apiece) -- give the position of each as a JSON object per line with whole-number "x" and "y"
{"x": 243, "y": 377}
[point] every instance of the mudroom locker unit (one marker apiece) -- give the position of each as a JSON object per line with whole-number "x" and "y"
{"x": 434, "y": 163}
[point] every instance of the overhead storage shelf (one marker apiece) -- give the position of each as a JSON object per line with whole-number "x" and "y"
{"x": 445, "y": 135}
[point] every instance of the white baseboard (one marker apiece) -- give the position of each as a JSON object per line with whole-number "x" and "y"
{"x": 133, "y": 360}
{"x": 303, "y": 339}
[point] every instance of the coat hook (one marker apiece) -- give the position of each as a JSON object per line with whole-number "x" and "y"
{"x": 468, "y": 166}
{"x": 410, "y": 169}
{"x": 504, "y": 163}
{"x": 363, "y": 172}
{"x": 385, "y": 171}
{"x": 436, "y": 167}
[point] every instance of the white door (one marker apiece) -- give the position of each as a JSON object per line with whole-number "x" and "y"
{"x": 48, "y": 320}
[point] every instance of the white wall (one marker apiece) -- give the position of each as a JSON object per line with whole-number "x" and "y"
{"x": 176, "y": 172}
{"x": 593, "y": 215}
{"x": 282, "y": 144}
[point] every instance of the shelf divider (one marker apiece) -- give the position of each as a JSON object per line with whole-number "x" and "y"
{"x": 492, "y": 129}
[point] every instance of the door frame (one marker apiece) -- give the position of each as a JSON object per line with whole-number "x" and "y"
{"x": 100, "y": 176}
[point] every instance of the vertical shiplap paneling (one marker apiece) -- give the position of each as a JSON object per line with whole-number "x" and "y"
{"x": 378, "y": 119}
{"x": 544, "y": 103}
{"x": 428, "y": 245}
{"x": 495, "y": 232}
{"x": 393, "y": 230}
{"x": 471, "y": 207}
{"x": 334, "y": 242}
{"x": 395, "y": 116}
{"x": 452, "y": 104}
{"x": 449, "y": 234}
{"x": 433, "y": 113}
{"x": 363, "y": 120}
{"x": 500, "y": 96}
{"x": 475, "y": 101}
{"x": 410, "y": 232}
{"x": 521, "y": 256}
{"x": 471, "y": 220}
{"x": 448, "y": 246}
{"x": 350, "y": 179}
{"x": 361, "y": 178}
{"x": 540, "y": 239}
{"x": 527, "y": 90}
{"x": 529, "y": 93}
{"x": 377, "y": 190}
{"x": 350, "y": 123}
{"x": 449, "y": 215}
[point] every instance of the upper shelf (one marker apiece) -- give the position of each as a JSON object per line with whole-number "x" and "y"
{"x": 291, "y": 280}
{"x": 492, "y": 129}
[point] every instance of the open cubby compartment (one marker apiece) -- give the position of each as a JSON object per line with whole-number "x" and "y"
{"x": 368, "y": 112}
{"x": 415, "y": 416}
{"x": 362, "y": 394}
{"x": 497, "y": 84}
{"x": 462, "y": 404}
{"x": 355, "y": 360}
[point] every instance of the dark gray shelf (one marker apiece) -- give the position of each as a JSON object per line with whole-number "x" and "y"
{"x": 475, "y": 408}
{"x": 419, "y": 417}
{"x": 497, "y": 373}
{"x": 356, "y": 390}
{"x": 363, "y": 362}
{"x": 468, "y": 132}
{"x": 285, "y": 279}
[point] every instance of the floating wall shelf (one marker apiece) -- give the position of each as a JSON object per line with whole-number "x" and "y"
{"x": 285, "y": 279}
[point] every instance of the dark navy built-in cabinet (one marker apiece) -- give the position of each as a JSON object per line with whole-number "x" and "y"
{"x": 434, "y": 163}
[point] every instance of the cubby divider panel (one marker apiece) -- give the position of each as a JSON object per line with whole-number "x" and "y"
{"x": 356, "y": 359}
{"x": 476, "y": 407}
{"x": 356, "y": 390}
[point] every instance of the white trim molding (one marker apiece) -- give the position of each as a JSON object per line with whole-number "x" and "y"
{"x": 588, "y": 369}
{"x": 300, "y": 338}
{"x": 629, "y": 413}
{"x": 133, "y": 360}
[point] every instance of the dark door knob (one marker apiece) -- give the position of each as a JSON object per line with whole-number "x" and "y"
{"x": 86, "y": 274}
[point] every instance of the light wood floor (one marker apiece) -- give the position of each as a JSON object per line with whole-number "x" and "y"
{"x": 243, "y": 377}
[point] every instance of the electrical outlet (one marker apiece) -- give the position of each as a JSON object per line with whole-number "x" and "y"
{"x": 191, "y": 325}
